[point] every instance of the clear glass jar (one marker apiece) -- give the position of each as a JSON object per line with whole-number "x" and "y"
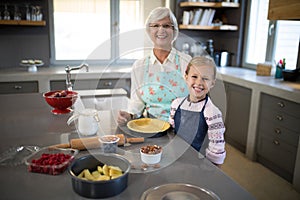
{"x": 87, "y": 121}
{"x": 28, "y": 14}
{"x": 6, "y": 14}
{"x": 186, "y": 48}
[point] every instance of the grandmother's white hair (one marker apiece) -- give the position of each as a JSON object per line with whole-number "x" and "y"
{"x": 160, "y": 13}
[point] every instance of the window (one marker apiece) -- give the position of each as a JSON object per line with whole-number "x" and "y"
{"x": 270, "y": 40}
{"x": 93, "y": 30}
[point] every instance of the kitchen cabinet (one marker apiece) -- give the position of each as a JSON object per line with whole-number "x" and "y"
{"x": 19, "y": 87}
{"x": 22, "y": 39}
{"x": 284, "y": 10}
{"x": 92, "y": 84}
{"x": 234, "y": 102}
{"x": 206, "y": 5}
{"x": 237, "y": 115}
{"x": 278, "y": 135}
{"x": 227, "y": 37}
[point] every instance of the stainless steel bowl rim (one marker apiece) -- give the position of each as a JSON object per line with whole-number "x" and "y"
{"x": 182, "y": 186}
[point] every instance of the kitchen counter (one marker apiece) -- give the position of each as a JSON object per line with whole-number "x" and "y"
{"x": 258, "y": 84}
{"x": 46, "y": 74}
{"x": 267, "y": 84}
{"x": 28, "y": 121}
{"x": 239, "y": 76}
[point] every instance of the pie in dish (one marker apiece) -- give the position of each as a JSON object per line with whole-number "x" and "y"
{"x": 148, "y": 125}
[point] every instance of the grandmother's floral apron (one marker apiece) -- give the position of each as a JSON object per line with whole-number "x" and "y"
{"x": 160, "y": 89}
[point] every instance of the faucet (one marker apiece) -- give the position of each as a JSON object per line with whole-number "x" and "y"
{"x": 68, "y": 70}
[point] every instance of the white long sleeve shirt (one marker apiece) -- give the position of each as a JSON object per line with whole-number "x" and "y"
{"x": 215, "y": 151}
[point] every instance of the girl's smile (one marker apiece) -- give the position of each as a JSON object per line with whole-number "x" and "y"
{"x": 199, "y": 81}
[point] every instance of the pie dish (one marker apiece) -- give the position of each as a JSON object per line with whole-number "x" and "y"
{"x": 148, "y": 125}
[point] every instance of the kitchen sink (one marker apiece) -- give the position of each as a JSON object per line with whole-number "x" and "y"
{"x": 102, "y": 99}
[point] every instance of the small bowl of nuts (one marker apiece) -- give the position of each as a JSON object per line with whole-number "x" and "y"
{"x": 151, "y": 154}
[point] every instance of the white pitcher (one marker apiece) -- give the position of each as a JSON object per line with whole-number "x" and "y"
{"x": 88, "y": 121}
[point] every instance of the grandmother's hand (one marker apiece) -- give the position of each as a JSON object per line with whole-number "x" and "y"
{"x": 123, "y": 118}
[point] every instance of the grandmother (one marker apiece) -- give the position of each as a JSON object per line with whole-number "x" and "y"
{"x": 157, "y": 79}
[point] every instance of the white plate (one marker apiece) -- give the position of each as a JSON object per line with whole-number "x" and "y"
{"x": 32, "y": 67}
{"x": 178, "y": 191}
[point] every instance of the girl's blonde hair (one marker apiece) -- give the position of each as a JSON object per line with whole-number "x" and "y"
{"x": 202, "y": 61}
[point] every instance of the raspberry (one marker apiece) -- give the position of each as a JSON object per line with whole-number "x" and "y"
{"x": 50, "y": 163}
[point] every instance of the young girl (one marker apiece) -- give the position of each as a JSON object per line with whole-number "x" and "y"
{"x": 195, "y": 116}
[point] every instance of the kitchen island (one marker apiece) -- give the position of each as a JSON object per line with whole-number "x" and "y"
{"x": 26, "y": 120}
{"x": 239, "y": 93}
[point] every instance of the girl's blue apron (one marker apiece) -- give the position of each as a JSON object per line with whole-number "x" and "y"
{"x": 187, "y": 128}
{"x": 160, "y": 89}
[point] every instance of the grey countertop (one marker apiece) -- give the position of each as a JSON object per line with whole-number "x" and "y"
{"x": 46, "y": 74}
{"x": 267, "y": 84}
{"x": 58, "y": 72}
{"x": 240, "y": 76}
{"x": 28, "y": 121}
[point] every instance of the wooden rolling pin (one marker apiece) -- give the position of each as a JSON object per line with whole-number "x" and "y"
{"x": 93, "y": 142}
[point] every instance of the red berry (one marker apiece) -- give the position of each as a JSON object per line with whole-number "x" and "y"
{"x": 48, "y": 161}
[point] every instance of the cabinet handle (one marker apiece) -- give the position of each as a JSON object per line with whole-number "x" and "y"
{"x": 18, "y": 87}
{"x": 109, "y": 83}
{"x": 277, "y": 130}
{"x": 280, "y": 104}
{"x": 279, "y": 117}
{"x": 276, "y": 142}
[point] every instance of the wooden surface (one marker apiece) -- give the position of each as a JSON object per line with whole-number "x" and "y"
{"x": 197, "y": 27}
{"x": 210, "y": 4}
{"x": 284, "y": 10}
{"x": 23, "y": 22}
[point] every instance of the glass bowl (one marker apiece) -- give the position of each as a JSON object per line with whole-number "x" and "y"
{"x": 51, "y": 161}
{"x": 60, "y": 100}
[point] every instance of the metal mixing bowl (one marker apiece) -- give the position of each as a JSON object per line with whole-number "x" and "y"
{"x": 99, "y": 189}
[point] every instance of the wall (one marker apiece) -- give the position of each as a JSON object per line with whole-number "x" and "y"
{"x": 150, "y": 5}
{"x": 230, "y": 41}
{"x": 24, "y": 42}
